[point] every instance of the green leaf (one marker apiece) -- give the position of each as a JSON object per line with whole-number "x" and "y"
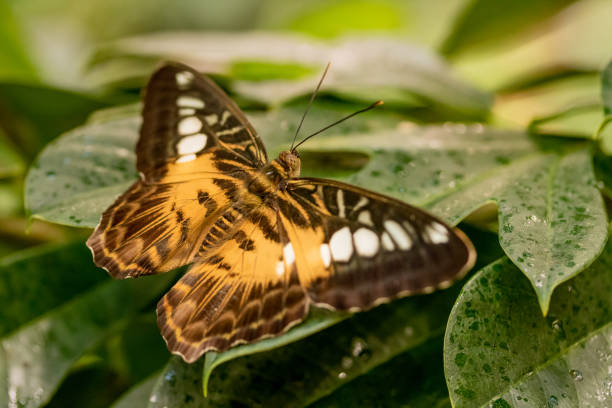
{"x": 485, "y": 23}
{"x": 452, "y": 170}
{"x": 318, "y": 319}
{"x": 36, "y": 356}
{"x": 138, "y": 396}
{"x": 577, "y": 121}
{"x": 37, "y": 280}
{"x": 343, "y": 352}
{"x": 359, "y": 67}
{"x": 551, "y": 215}
{"x": 412, "y": 379}
{"x": 499, "y": 350}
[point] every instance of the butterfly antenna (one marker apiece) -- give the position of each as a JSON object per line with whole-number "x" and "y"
{"x": 372, "y": 106}
{"x": 312, "y": 97}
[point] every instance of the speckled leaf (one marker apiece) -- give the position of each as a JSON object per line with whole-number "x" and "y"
{"x": 359, "y": 65}
{"x": 551, "y": 215}
{"x": 35, "y": 357}
{"x": 499, "y": 352}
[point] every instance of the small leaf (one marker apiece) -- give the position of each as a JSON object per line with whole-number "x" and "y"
{"x": 498, "y": 347}
{"x": 35, "y": 357}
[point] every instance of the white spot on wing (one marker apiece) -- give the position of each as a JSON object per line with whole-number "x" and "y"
{"x": 366, "y": 242}
{"x": 341, "y": 245}
{"x": 211, "y": 119}
{"x": 289, "y": 254}
{"x": 191, "y": 144}
{"x": 387, "y": 242}
{"x": 365, "y": 218}
{"x": 189, "y": 125}
{"x": 436, "y": 233}
{"x": 185, "y": 101}
{"x": 363, "y": 201}
{"x": 186, "y": 158}
{"x": 184, "y": 79}
{"x": 401, "y": 238}
{"x": 186, "y": 112}
{"x": 225, "y": 116}
{"x": 325, "y": 255}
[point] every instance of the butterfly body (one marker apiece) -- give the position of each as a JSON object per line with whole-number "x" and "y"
{"x": 264, "y": 244}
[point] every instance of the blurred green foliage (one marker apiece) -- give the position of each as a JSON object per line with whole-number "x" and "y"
{"x": 490, "y": 107}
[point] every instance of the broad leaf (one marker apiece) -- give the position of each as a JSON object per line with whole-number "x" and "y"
{"x": 452, "y": 170}
{"x": 552, "y": 221}
{"x": 360, "y": 67}
{"x": 36, "y": 356}
{"x": 500, "y": 352}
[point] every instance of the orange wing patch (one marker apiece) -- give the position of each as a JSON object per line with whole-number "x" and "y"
{"x": 147, "y": 228}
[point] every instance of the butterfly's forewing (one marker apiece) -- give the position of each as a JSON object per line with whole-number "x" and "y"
{"x": 195, "y": 147}
{"x": 357, "y": 248}
{"x": 243, "y": 290}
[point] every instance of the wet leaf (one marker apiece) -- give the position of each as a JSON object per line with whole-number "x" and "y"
{"x": 452, "y": 170}
{"x": 35, "y": 357}
{"x": 360, "y": 66}
{"x": 498, "y": 348}
{"x": 137, "y": 396}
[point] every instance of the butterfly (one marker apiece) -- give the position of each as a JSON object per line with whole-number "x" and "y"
{"x": 264, "y": 244}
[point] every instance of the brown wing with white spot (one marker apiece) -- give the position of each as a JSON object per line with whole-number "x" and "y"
{"x": 194, "y": 151}
{"x": 356, "y": 248}
{"x": 244, "y": 289}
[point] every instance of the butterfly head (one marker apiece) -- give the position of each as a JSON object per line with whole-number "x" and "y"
{"x": 290, "y": 160}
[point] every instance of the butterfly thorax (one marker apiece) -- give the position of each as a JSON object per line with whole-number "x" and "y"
{"x": 275, "y": 174}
